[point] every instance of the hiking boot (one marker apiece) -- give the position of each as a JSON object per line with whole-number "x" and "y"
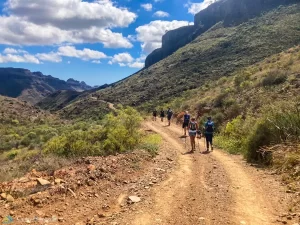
{"x": 212, "y": 148}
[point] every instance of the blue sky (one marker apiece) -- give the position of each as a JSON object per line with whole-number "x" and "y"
{"x": 96, "y": 41}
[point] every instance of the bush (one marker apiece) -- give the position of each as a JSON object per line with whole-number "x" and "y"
{"x": 151, "y": 143}
{"x": 277, "y": 124}
{"x": 15, "y": 122}
{"x": 274, "y": 77}
{"x": 118, "y": 133}
{"x": 219, "y": 101}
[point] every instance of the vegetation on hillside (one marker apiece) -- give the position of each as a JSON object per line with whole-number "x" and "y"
{"x": 217, "y": 53}
{"x": 46, "y": 142}
{"x": 255, "y": 109}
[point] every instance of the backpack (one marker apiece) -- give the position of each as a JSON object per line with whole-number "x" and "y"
{"x": 209, "y": 127}
{"x": 170, "y": 113}
{"x": 193, "y": 126}
{"x": 187, "y": 118}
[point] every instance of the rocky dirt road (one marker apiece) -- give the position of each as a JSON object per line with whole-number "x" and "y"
{"x": 213, "y": 188}
{"x": 134, "y": 189}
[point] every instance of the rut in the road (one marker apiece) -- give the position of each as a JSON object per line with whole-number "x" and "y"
{"x": 207, "y": 189}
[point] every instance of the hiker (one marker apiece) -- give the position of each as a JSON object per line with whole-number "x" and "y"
{"x": 162, "y": 115}
{"x": 209, "y": 132}
{"x": 169, "y": 115}
{"x": 193, "y": 127}
{"x": 154, "y": 114}
{"x": 186, "y": 121}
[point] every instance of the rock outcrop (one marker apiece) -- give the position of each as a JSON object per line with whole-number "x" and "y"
{"x": 230, "y": 12}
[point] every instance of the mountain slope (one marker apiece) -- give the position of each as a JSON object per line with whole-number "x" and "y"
{"x": 218, "y": 52}
{"x": 33, "y": 86}
{"x": 231, "y": 12}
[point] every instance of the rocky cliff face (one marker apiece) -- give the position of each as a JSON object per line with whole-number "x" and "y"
{"x": 231, "y": 12}
{"x": 33, "y": 86}
{"x": 171, "y": 41}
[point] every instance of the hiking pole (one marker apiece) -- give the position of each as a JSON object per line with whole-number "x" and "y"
{"x": 204, "y": 139}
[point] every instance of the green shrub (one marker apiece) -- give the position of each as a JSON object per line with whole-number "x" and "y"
{"x": 15, "y": 122}
{"x": 219, "y": 100}
{"x": 233, "y": 111}
{"x": 151, "y": 143}
{"x": 118, "y": 133}
{"x": 274, "y": 77}
{"x": 222, "y": 80}
{"x": 277, "y": 124}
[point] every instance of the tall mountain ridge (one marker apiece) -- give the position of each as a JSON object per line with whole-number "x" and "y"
{"x": 220, "y": 51}
{"x": 231, "y": 12}
{"x": 34, "y": 86}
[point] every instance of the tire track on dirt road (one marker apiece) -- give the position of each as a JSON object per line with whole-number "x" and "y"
{"x": 190, "y": 195}
{"x": 251, "y": 205}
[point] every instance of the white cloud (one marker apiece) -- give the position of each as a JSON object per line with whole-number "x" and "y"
{"x": 85, "y": 54}
{"x": 19, "y": 32}
{"x": 51, "y": 57}
{"x": 105, "y": 36}
{"x": 151, "y": 34}
{"x": 13, "y": 51}
{"x": 158, "y": 0}
{"x": 137, "y": 65}
{"x": 69, "y": 62}
{"x": 161, "y": 14}
{"x": 125, "y": 59}
{"x": 96, "y": 61}
{"x": 194, "y": 8}
{"x": 121, "y": 58}
{"x": 11, "y": 58}
{"x": 33, "y": 22}
{"x": 71, "y": 14}
{"x": 147, "y": 7}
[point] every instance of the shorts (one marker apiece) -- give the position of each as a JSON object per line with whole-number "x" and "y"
{"x": 185, "y": 124}
{"x": 192, "y": 133}
{"x": 155, "y": 115}
{"x": 209, "y": 137}
{"x": 169, "y": 117}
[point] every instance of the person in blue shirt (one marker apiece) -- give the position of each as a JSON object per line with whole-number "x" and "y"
{"x": 209, "y": 128}
{"x": 186, "y": 121}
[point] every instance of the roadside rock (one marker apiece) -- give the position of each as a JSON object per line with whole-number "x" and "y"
{"x": 58, "y": 181}
{"x": 3, "y": 196}
{"x": 91, "y": 167}
{"x": 10, "y": 198}
{"x": 134, "y": 199}
{"x": 43, "y": 182}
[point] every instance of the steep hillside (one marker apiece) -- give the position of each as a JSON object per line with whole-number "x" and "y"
{"x": 15, "y": 111}
{"x": 272, "y": 81}
{"x": 58, "y": 100}
{"x": 218, "y": 52}
{"x": 231, "y": 12}
{"x": 256, "y": 112}
{"x": 33, "y": 86}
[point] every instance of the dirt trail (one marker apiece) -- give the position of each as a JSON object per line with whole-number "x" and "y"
{"x": 211, "y": 189}
{"x": 174, "y": 189}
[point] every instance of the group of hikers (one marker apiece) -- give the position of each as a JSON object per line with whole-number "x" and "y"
{"x": 190, "y": 124}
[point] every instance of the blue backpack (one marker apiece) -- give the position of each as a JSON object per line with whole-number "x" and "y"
{"x": 209, "y": 127}
{"x": 187, "y": 118}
